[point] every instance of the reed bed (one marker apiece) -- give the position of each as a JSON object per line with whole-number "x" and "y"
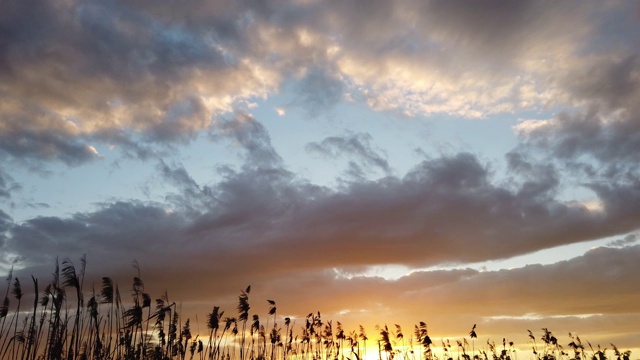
{"x": 99, "y": 325}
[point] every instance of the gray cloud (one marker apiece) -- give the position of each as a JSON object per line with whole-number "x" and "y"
{"x": 607, "y": 129}
{"x": 178, "y": 176}
{"x": 627, "y": 240}
{"x": 251, "y": 136}
{"x": 537, "y": 180}
{"x": 162, "y": 74}
{"x": 598, "y": 135}
{"x": 95, "y": 68}
{"x": 113, "y": 236}
{"x": 356, "y": 147}
{"x": 445, "y": 210}
{"x": 318, "y": 91}
{"x": 31, "y": 132}
{"x": 47, "y": 146}
{"x": 500, "y": 302}
{"x": 6, "y": 223}
{"x": 190, "y": 197}
{"x": 416, "y": 219}
{"x": 612, "y": 83}
{"x": 7, "y": 185}
{"x": 598, "y": 144}
{"x": 619, "y": 200}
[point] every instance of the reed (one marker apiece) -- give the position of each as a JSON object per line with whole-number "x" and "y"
{"x": 107, "y": 328}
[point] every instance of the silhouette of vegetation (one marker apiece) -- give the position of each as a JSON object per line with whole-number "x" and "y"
{"x": 107, "y": 328}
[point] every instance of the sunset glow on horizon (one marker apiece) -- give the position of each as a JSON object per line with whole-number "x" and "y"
{"x": 380, "y": 162}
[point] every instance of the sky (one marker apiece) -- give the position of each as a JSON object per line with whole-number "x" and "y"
{"x": 383, "y": 162}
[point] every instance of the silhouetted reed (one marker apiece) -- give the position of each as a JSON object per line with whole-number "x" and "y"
{"x": 107, "y": 328}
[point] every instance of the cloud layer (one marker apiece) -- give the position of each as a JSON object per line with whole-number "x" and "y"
{"x": 92, "y": 72}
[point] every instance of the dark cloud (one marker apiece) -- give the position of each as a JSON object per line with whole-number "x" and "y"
{"x": 412, "y": 220}
{"x": 93, "y": 68}
{"x": 599, "y": 136}
{"x": 178, "y": 176}
{"x": 251, "y": 136}
{"x": 492, "y": 29}
{"x": 627, "y": 240}
{"x": 356, "y": 147}
{"x": 6, "y": 222}
{"x": 445, "y": 210}
{"x": 620, "y": 201}
{"x": 318, "y": 91}
{"x": 112, "y": 236}
{"x": 516, "y": 292}
{"x": 162, "y": 73}
{"x": 7, "y": 185}
{"x": 561, "y": 279}
{"x": 24, "y": 144}
{"x": 608, "y": 131}
{"x": 612, "y": 83}
{"x": 538, "y": 180}
{"x": 190, "y": 196}
{"x": 600, "y": 145}
{"x": 30, "y": 132}
{"x": 132, "y": 146}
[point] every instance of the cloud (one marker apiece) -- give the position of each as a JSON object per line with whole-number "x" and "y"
{"x": 143, "y": 75}
{"x": 595, "y": 134}
{"x": 358, "y": 148}
{"x": 627, "y": 240}
{"x": 120, "y": 230}
{"x": 115, "y": 234}
{"x": 87, "y": 69}
{"x": 6, "y": 222}
{"x": 251, "y": 136}
{"x": 7, "y": 185}
{"x": 191, "y": 197}
{"x": 611, "y": 82}
{"x": 538, "y": 180}
{"x": 446, "y": 57}
{"x": 318, "y": 90}
{"x": 533, "y": 289}
{"x": 606, "y": 127}
{"x": 30, "y": 133}
{"x": 262, "y": 213}
{"x": 526, "y": 126}
{"x": 531, "y": 297}
{"x": 594, "y": 143}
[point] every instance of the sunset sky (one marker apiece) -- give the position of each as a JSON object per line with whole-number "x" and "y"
{"x": 383, "y": 162}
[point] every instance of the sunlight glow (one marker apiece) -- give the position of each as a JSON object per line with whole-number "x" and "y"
{"x": 534, "y": 316}
{"x": 93, "y": 150}
{"x": 526, "y": 126}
